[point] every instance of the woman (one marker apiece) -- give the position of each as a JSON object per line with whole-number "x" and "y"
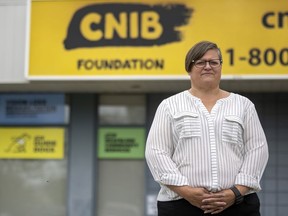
{"x": 206, "y": 146}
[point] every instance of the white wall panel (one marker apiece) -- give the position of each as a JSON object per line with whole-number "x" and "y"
{"x": 13, "y": 22}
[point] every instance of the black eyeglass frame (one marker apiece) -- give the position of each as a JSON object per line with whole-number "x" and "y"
{"x": 209, "y": 62}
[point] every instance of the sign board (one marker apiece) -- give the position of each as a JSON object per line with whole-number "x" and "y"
{"x": 32, "y": 109}
{"x": 149, "y": 39}
{"x": 32, "y": 143}
{"x": 121, "y": 143}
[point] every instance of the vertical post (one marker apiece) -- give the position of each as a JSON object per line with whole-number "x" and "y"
{"x": 81, "y": 155}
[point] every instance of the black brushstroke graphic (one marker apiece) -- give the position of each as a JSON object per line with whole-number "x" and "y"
{"x": 171, "y": 17}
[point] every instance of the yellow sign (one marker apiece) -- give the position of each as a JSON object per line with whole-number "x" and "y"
{"x": 149, "y": 39}
{"x": 32, "y": 143}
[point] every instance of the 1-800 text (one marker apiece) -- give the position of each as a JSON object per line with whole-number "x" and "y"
{"x": 257, "y": 57}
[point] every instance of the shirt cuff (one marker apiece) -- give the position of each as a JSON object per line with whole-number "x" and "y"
{"x": 248, "y": 181}
{"x": 173, "y": 179}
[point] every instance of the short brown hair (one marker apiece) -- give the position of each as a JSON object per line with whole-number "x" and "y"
{"x": 199, "y": 50}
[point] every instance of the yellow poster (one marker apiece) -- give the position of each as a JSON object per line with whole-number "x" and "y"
{"x": 85, "y": 39}
{"x": 32, "y": 143}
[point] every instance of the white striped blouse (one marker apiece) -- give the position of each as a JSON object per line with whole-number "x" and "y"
{"x": 187, "y": 145}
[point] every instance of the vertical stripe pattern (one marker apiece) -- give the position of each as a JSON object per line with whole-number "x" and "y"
{"x": 187, "y": 145}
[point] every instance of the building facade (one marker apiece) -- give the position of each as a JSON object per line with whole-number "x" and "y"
{"x": 85, "y": 101}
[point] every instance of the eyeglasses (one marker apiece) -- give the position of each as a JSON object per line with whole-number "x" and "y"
{"x": 214, "y": 63}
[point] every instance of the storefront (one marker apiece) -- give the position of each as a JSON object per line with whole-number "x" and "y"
{"x": 80, "y": 83}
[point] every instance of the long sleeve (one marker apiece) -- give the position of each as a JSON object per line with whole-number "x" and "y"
{"x": 187, "y": 145}
{"x": 256, "y": 152}
{"x": 160, "y": 148}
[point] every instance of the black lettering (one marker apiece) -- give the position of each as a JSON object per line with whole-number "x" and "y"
{"x": 270, "y": 57}
{"x": 126, "y": 65}
{"x": 274, "y": 20}
{"x": 89, "y": 64}
{"x": 266, "y": 21}
{"x": 254, "y": 58}
{"x": 79, "y": 63}
{"x": 281, "y": 18}
{"x": 117, "y": 64}
{"x": 283, "y": 56}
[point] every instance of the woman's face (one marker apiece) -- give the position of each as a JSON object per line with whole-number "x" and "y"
{"x": 204, "y": 75}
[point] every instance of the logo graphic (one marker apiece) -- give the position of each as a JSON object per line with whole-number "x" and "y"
{"x": 116, "y": 24}
{"x": 18, "y": 143}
